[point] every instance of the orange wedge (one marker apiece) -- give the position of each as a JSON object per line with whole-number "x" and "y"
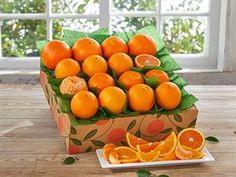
{"x": 148, "y": 156}
{"x": 168, "y": 145}
{"x": 196, "y": 154}
{"x": 146, "y": 60}
{"x": 192, "y": 138}
{"x": 114, "y": 158}
{"x": 183, "y": 154}
{"x": 147, "y": 147}
{"x": 109, "y": 145}
{"x": 133, "y": 140}
{"x": 170, "y": 156}
{"x": 107, "y": 150}
{"x": 126, "y": 154}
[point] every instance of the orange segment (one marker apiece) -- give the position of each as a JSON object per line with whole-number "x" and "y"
{"x": 126, "y": 154}
{"x": 146, "y": 60}
{"x": 149, "y": 156}
{"x": 183, "y": 154}
{"x": 114, "y": 158}
{"x": 147, "y": 147}
{"x": 192, "y": 138}
{"x": 133, "y": 140}
{"x": 168, "y": 145}
{"x": 196, "y": 154}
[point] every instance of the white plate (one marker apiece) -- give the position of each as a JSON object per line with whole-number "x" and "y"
{"x": 105, "y": 164}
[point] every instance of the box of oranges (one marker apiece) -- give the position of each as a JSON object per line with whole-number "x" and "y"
{"x": 100, "y": 86}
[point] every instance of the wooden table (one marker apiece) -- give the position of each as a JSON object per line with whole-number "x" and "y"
{"x": 30, "y": 144}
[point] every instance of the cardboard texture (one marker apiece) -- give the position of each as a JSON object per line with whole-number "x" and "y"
{"x": 86, "y": 138}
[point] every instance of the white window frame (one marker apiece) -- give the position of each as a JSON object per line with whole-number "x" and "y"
{"x": 211, "y": 59}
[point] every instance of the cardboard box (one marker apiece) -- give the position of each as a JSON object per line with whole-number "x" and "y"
{"x": 85, "y": 138}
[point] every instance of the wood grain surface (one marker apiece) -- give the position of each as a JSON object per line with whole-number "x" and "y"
{"x": 30, "y": 145}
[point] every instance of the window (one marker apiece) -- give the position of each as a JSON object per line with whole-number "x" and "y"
{"x": 190, "y": 28}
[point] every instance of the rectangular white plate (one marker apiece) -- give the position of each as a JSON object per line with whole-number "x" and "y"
{"x": 105, "y": 164}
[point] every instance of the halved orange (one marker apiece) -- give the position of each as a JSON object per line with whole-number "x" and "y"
{"x": 146, "y": 60}
{"x": 182, "y": 154}
{"x": 107, "y": 150}
{"x": 114, "y": 158}
{"x": 133, "y": 140}
{"x": 168, "y": 145}
{"x": 109, "y": 145}
{"x": 196, "y": 154}
{"x": 147, "y": 147}
{"x": 126, "y": 154}
{"x": 192, "y": 138}
{"x": 148, "y": 156}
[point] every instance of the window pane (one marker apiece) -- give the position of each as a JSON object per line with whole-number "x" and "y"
{"x": 75, "y": 6}
{"x": 133, "y": 5}
{"x": 184, "y": 35}
{"x": 119, "y": 24}
{"x": 19, "y": 37}
{"x": 85, "y": 25}
{"x": 185, "y": 5}
{"x": 22, "y": 6}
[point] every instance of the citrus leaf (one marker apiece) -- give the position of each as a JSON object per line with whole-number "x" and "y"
{"x": 212, "y": 139}
{"x": 168, "y": 63}
{"x": 73, "y": 130}
{"x": 143, "y": 173}
{"x": 131, "y": 125}
{"x": 192, "y": 124}
{"x": 158, "y": 115}
{"x": 178, "y": 118}
{"x": 65, "y": 105}
{"x": 90, "y": 134}
{"x": 89, "y": 149}
{"x": 187, "y": 101}
{"x": 94, "y": 90}
{"x": 76, "y": 142}
{"x": 180, "y": 82}
{"x": 70, "y": 36}
{"x": 153, "y": 82}
{"x": 69, "y": 161}
{"x": 40, "y": 45}
{"x": 98, "y": 143}
{"x": 168, "y": 130}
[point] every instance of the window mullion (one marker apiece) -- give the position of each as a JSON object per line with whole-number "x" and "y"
{"x": 159, "y": 17}
{"x": 1, "y": 22}
{"x": 48, "y": 19}
{"x": 104, "y": 14}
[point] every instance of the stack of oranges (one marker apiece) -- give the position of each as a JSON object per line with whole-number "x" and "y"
{"x": 114, "y": 54}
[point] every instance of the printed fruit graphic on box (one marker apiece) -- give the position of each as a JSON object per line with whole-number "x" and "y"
{"x": 101, "y": 85}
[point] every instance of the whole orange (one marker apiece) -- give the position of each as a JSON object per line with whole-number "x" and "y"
{"x": 94, "y": 64}
{"x": 159, "y": 74}
{"x": 85, "y": 47}
{"x": 141, "y": 98}
{"x": 112, "y": 45}
{"x": 131, "y": 78}
{"x": 112, "y": 98}
{"x": 168, "y": 95}
{"x": 53, "y": 52}
{"x": 84, "y": 104}
{"x": 67, "y": 67}
{"x": 120, "y": 62}
{"x": 142, "y": 44}
{"x": 101, "y": 81}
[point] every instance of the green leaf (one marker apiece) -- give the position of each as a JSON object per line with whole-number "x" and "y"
{"x": 178, "y": 118}
{"x": 73, "y": 130}
{"x": 98, "y": 37}
{"x": 124, "y": 35}
{"x": 98, "y": 143}
{"x": 89, "y": 149}
{"x": 54, "y": 81}
{"x": 212, "y": 139}
{"x": 76, "y": 141}
{"x": 180, "y": 82}
{"x": 192, "y": 124}
{"x": 153, "y": 82}
{"x": 169, "y": 64}
{"x": 131, "y": 125}
{"x": 179, "y": 129}
{"x": 40, "y": 45}
{"x": 158, "y": 115}
{"x": 94, "y": 90}
{"x": 143, "y": 173}
{"x": 70, "y": 36}
{"x": 90, "y": 134}
{"x": 168, "y": 130}
{"x": 69, "y": 161}
{"x": 187, "y": 101}
{"x": 65, "y": 105}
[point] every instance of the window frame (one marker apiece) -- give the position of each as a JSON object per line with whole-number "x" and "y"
{"x": 212, "y": 59}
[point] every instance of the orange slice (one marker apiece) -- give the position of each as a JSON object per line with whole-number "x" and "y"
{"x": 133, "y": 140}
{"x": 168, "y": 145}
{"x": 146, "y": 60}
{"x": 107, "y": 150}
{"x": 147, "y": 147}
{"x": 148, "y": 156}
{"x": 196, "y": 154}
{"x": 114, "y": 158}
{"x": 170, "y": 156}
{"x": 126, "y": 154}
{"x": 192, "y": 138}
{"x": 109, "y": 145}
{"x": 183, "y": 154}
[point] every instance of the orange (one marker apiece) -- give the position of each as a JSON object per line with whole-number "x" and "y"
{"x": 112, "y": 45}
{"x": 183, "y": 154}
{"x": 131, "y": 78}
{"x": 112, "y": 98}
{"x": 67, "y": 67}
{"x": 53, "y": 52}
{"x": 147, "y": 147}
{"x": 85, "y": 47}
{"x": 126, "y": 154}
{"x": 148, "y": 156}
{"x": 142, "y": 44}
{"x": 106, "y": 153}
{"x": 120, "y": 62}
{"x": 72, "y": 84}
{"x": 84, "y": 104}
{"x": 133, "y": 140}
{"x": 196, "y": 154}
{"x": 168, "y": 95}
{"x": 109, "y": 145}
{"x": 114, "y": 158}
{"x": 94, "y": 64}
{"x": 101, "y": 81}
{"x": 159, "y": 74}
{"x": 146, "y": 60}
{"x": 169, "y": 156}
{"x": 141, "y": 98}
{"x": 192, "y": 138}
{"x": 168, "y": 145}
